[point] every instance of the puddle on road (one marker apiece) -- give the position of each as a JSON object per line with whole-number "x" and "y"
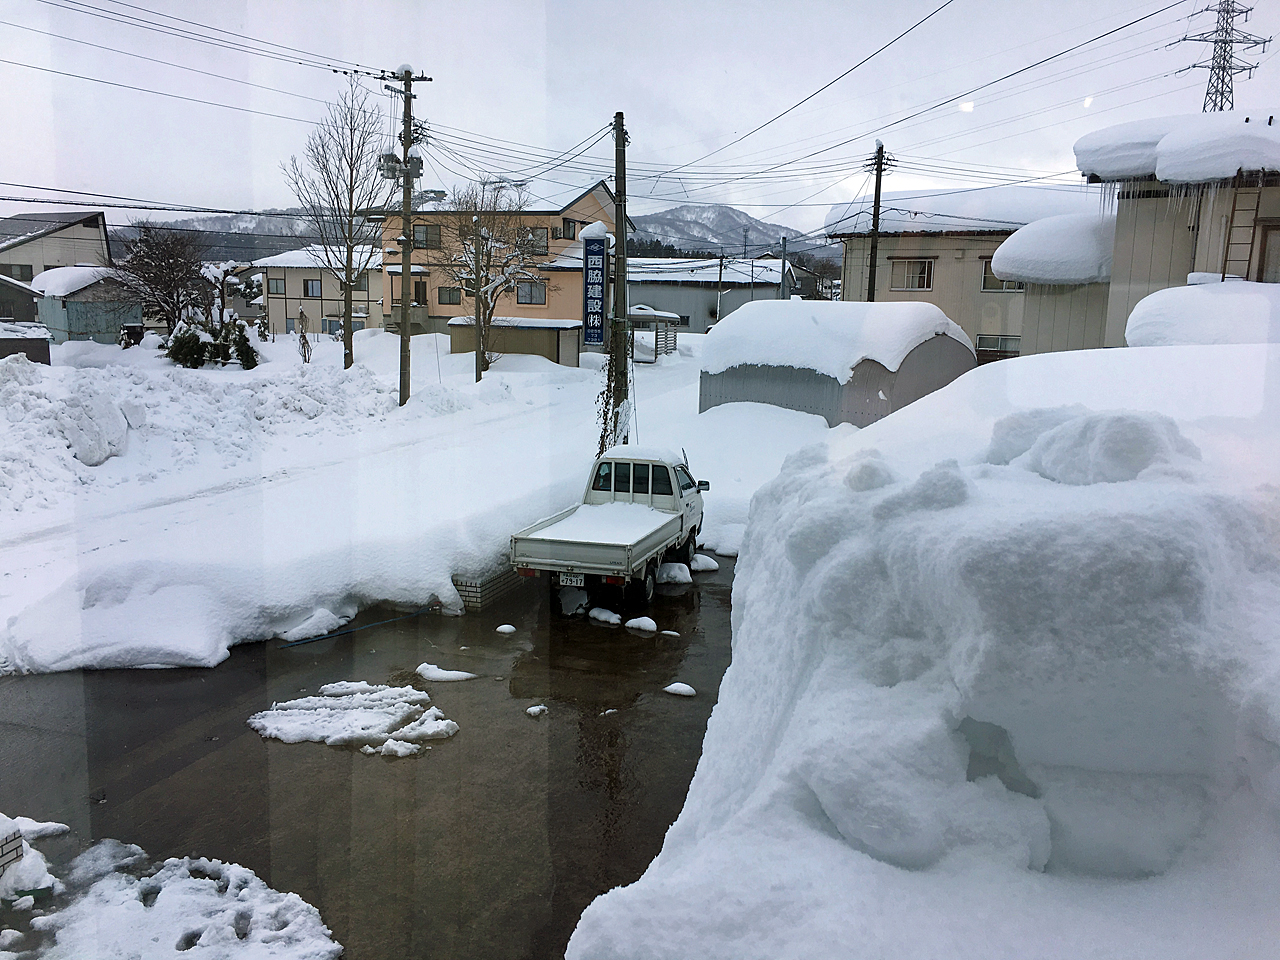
{"x": 489, "y": 845}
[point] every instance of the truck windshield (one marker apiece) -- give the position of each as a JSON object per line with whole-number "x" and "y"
{"x": 604, "y": 476}
{"x": 661, "y": 481}
{"x": 686, "y": 481}
{"x": 622, "y": 478}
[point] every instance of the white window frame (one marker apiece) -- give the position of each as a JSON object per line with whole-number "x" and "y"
{"x": 1005, "y": 286}
{"x": 908, "y": 274}
{"x": 531, "y": 285}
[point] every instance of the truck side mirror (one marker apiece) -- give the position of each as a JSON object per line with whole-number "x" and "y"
{"x": 703, "y": 486}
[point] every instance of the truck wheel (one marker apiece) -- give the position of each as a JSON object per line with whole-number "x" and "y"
{"x": 640, "y": 590}
{"x": 690, "y": 547}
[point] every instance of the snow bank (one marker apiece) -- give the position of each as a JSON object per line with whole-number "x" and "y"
{"x": 831, "y": 337}
{"x": 356, "y": 713}
{"x": 126, "y": 907}
{"x": 936, "y": 211}
{"x": 1191, "y": 148}
{"x": 1004, "y": 683}
{"x": 1236, "y": 312}
{"x": 31, "y": 871}
{"x": 1073, "y": 248}
{"x": 429, "y": 671}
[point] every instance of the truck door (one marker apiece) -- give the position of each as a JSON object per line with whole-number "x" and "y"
{"x": 689, "y": 498}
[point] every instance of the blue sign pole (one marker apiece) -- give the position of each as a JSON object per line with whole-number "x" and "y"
{"x": 595, "y": 257}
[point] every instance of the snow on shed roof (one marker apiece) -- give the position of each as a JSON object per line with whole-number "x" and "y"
{"x": 1072, "y": 248}
{"x": 23, "y": 330}
{"x": 629, "y": 451}
{"x": 529, "y": 323}
{"x": 828, "y": 336}
{"x": 1235, "y": 311}
{"x": 942, "y": 211}
{"x": 736, "y": 271}
{"x": 311, "y": 258}
{"x": 64, "y": 281}
{"x": 1191, "y": 148}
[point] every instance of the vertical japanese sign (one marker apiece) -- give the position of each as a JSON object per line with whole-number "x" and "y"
{"x": 595, "y": 256}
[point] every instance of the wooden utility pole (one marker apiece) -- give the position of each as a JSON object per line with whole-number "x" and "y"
{"x": 782, "y": 280}
{"x": 619, "y": 339}
{"x": 719, "y": 284}
{"x": 875, "y": 224}
{"x": 406, "y": 236}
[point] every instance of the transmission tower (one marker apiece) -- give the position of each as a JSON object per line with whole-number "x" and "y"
{"x": 1223, "y": 64}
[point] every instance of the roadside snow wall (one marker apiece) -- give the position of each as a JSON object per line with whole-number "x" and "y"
{"x": 1005, "y": 683}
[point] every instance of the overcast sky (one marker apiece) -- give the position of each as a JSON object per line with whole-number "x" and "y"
{"x": 515, "y": 84}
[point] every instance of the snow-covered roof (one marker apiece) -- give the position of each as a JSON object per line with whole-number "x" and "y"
{"x": 630, "y": 451}
{"x": 1192, "y": 148}
{"x": 942, "y": 211}
{"x": 64, "y": 281}
{"x": 1072, "y": 248}
{"x": 25, "y": 227}
{"x": 767, "y": 272}
{"x": 829, "y": 336}
{"x": 23, "y": 330}
{"x": 395, "y": 269}
{"x": 530, "y": 323}
{"x": 641, "y": 311}
{"x": 1237, "y": 311}
{"x": 312, "y": 258}
{"x": 17, "y": 285}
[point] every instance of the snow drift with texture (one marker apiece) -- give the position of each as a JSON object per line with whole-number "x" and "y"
{"x": 352, "y": 713}
{"x": 1192, "y": 148}
{"x": 1004, "y": 683}
{"x": 1237, "y": 311}
{"x": 1073, "y": 248}
{"x": 831, "y": 337}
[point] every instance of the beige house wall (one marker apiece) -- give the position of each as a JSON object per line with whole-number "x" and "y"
{"x": 281, "y": 309}
{"x": 957, "y": 278}
{"x": 564, "y": 287}
{"x": 558, "y": 346}
{"x": 66, "y": 248}
{"x": 1155, "y": 248}
{"x": 1060, "y": 317}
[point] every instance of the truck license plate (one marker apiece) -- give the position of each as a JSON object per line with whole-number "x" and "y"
{"x": 572, "y": 579}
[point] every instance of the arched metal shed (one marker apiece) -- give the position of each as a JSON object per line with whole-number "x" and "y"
{"x": 846, "y": 361}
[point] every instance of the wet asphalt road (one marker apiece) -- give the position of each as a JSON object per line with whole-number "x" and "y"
{"x": 489, "y": 845}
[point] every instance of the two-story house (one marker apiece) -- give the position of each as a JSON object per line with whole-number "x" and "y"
{"x": 300, "y": 280}
{"x": 31, "y": 243}
{"x": 436, "y": 295}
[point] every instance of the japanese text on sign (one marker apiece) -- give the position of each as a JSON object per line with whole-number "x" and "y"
{"x": 595, "y": 251}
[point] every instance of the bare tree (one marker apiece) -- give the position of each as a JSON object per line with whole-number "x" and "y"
{"x": 338, "y": 184}
{"x": 162, "y": 271}
{"x": 489, "y": 250}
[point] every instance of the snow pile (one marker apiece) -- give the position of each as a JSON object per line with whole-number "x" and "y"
{"x": 356, "y": 713}
{"x": 674, "y": 573}
{"x": 537, "y": 710}
{"x": 31, "y": 871}
{"x": 604, "y": 615}
{"x": 1073, "y": 248}
{"x": 64, "y": 281}
{"x": 828, "y": 336}
{"x": 643, "y": 624}
{"x": 126, "y": 908}
{"x": 1236, "y": 312}
{"x": 1005, "y": 682}
{"x": 703, "y": 564}
{"x": 429, "y": 671}
{"x": 1191, "y": 148}
{"x": 996, "y": 208}
{"x": 678, "y": 689}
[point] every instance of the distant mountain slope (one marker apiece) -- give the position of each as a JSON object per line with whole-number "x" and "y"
{"x": 240, "y": 236}
{"x": 717, "y": 226}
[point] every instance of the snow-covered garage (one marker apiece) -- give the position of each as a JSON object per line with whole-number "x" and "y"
{"x": 846, "y": 361}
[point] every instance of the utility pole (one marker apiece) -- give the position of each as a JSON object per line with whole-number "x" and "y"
{"x": 745, "y": 233}
{"x": 875, "y": 225}
{"x": 408, "y": 170}
{"x": 719, "y": 284}
{"x": 616, "y": 385}
{"x": 782, "y": 281}
{"x": 1223, "y": 64}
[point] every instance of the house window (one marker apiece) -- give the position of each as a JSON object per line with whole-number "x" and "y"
{"x": 275, "y": 286}
{"x": 6, "y": 309}
{"x": 911, "y": 275}
{"x": 568, "y": 229}
{"x": 311, "y": 288}
{"x": 992, "y": 347}
{"x": 361, "y": 283}
{"x": 449, "y": 295}
{"x": 420, "y": 292}
{"x": 531, "y": 291}
{"x": 426, "y": 236}
{"x": 538, "y": 239}
{"x": 19, "y": 271}
{"x": 992, "y": 283}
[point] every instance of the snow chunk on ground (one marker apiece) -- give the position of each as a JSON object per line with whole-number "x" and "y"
{"x": 212, "y": 908}
{"x": 399, "y": 748}
{"x": 680, "y": 690}
{"x": 831, "y": 337}
{"x": 1208, "y": 313}
{"x": 506, "y": 628}
{"x": 1069, "y": 249}
{"x": 319, "y": 623}
{"x": 703, "y": 564}
{"x": 354, "y": 713}
{"x": 644, "y": 624}
{"x": 1191, "y": 148}
{"x": 1016, "y": 697}
{"x": 604, "y": 616}
{"x": 31, "y": 870}
{"x": 537, "y": 710}
{"x": 429, "y": 671}
{"x": 37, "y": 829}
{"x": 674, "y": 573}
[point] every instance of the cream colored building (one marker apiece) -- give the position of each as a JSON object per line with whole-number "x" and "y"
{"x": 937, "y": 247}
{"x": 300, "y": 281}
{"x": 31, "y": 243}
{"x": 436, "y": 296}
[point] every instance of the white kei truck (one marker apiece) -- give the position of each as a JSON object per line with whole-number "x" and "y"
{"x": 641, "y": 507}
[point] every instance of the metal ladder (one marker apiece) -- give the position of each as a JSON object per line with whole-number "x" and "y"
{"x": 1238, "y": 249}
